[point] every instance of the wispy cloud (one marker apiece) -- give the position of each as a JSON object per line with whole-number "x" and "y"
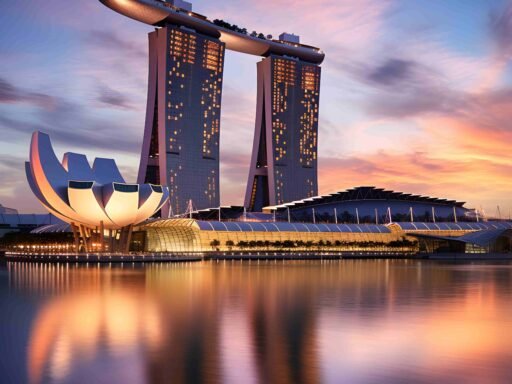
{"x": 113, "y": 98}
{"x": 111, "y": 41}
{"x": 68, "y": 121}
{"x": 392, "y": 72}
{"x": 501, "y": 30}
{"x": 9, "y": 94}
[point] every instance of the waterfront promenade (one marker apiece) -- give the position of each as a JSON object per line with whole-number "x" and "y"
{"x": 241, "y": 256}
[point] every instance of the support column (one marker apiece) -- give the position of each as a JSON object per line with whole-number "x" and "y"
{"x": 76, "y": 237}
{"x": 102, "y": 236}
{"x": 83, "y": 233}
{"x": 128, "y": 238}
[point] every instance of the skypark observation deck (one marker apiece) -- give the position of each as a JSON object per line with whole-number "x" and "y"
{"x": 160, "y": 13}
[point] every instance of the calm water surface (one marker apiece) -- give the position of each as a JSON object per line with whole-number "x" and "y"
{"x": 267, "y": 322}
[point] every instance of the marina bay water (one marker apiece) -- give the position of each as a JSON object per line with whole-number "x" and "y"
{"x": 347, "y": 321}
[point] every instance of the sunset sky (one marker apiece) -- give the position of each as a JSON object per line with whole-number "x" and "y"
{"x": 416, "y": 96}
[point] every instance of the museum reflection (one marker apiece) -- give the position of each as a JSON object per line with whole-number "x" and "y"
{"x": 253, "y": 322}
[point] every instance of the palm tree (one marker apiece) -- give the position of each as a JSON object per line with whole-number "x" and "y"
{"x": 230, "y": 244}
{"x": 288, "y": 244}
{"x": 215, "y": 244}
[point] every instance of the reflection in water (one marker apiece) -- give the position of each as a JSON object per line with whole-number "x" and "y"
{"x": 267, "y": 322}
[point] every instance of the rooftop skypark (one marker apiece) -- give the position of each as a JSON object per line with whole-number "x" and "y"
{"x": 160, "y": 13}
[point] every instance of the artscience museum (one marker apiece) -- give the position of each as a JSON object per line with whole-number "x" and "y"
{"x": 97, "y": 203}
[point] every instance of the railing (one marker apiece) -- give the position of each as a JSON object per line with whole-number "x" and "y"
{"x": 103, "y": 257}
{"x": 309, "y": 255}
{"x": 234, "y": 28}
{"x": 198, "y": 256}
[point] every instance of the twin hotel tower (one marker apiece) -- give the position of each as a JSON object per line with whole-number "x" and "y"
{"x": 181, "y": 137}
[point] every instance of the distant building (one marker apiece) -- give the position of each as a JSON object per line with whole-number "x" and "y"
{"x": 372, "y": 205}
{"x": 26, "y": 222}
{"x": 8, "y": 211}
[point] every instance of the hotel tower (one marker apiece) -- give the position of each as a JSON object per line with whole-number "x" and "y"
{"x": 284, "y": 158}
{"x": 181, "y": 137}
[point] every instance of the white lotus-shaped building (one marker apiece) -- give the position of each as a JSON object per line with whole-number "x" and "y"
{"x": 86, "y": 197}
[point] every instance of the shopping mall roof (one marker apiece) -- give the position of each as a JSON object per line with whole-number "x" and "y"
{"x": 52, "y": 228}
{"x": 482, "y": 238}
{"x": 278, "y": 226}
{"x": 451, "y": 226}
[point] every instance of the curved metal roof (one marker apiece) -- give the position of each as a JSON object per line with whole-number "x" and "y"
{"x": 363, "y": 193}
{"x": 53, "y": 228}
{"x": 461, "y": 226}
{"x": 240, "y": 226}
{"x": 155, "y": 12}
{"x": 481, "y": 238}
{"x": 28, "y": 219}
